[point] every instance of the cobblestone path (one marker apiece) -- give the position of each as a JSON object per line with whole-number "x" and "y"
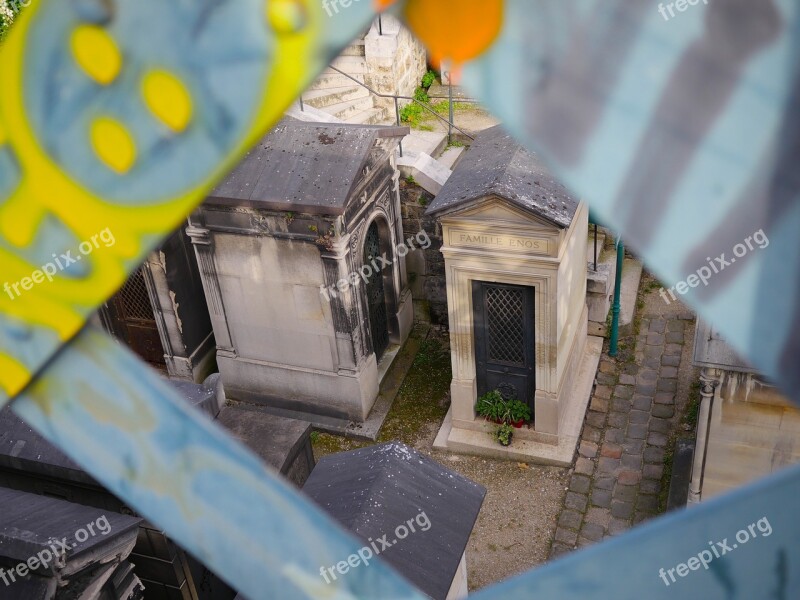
{"x": 617, "y": 476}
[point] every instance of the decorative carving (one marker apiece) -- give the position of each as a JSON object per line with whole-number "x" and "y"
{"x": 508, "y": 391}
{"x": 355, "y": 237}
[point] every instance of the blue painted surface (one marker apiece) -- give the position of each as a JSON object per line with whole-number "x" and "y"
{"x": 129, "y": 430}
{"x": 627, "y": 567}
{"x": 681, "y": 134}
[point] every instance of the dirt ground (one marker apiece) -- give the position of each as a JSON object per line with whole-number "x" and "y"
{"x": 518, "y": 517}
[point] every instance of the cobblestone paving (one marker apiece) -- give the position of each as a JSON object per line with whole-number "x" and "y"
{"x": 617, "y": 475}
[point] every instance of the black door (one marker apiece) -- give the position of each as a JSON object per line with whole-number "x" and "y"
{"x": 504, "y": 340}
{"x": 376, "y": 300}
{"x": 133, "y": 322}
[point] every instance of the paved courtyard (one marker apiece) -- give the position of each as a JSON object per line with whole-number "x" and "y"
{"x": 617, "y": 480}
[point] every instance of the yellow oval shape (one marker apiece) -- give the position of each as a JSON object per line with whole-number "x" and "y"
{"x": 168, "y": 99}
{"x": 286, "y": 16}
{"x": 96, "y": 53}
{"x": 113, "y": 144}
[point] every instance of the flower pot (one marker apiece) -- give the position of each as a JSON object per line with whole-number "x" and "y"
{"x": 519, "y": 424}
{"x": 510, "y": 437}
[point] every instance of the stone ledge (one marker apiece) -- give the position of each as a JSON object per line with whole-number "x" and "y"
{"x": 479, "y": 443}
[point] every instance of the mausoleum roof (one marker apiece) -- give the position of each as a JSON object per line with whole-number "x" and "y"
{"x": 496, "y": 165}
{"x": 303, "y": 166}
{"x": 374, "y": 490}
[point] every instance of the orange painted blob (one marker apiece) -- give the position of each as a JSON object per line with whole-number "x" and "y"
{"x": 456, "y": 30}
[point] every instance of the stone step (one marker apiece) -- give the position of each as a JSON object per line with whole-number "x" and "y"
{"x": 429, "y": 142}
{"x": 427, "y": 172}
{"x": 331, "y": 96}
{"x": 631, "y": 276}
{"x": 354, "y": 49}
{"x": 351, "y": 64}
{"x": 345, "y": 110}
{"x": 371, "y": 116}
{"x": 451, "y": 156}
{"x": 331, "y": 79}
{"x": 310, "y": 114}
{"x": 440, "y": 92}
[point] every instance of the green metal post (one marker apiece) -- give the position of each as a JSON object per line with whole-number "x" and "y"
{"x": 612, "y": 351}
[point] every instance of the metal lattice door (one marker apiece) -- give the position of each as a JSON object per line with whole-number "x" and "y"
{"x": 132, "y": 319}
{"x": 504, "y": 340}
{"x": 376, "y": 299}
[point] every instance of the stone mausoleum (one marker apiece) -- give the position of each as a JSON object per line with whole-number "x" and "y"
{"x": 515, "y": 246}
{"x": 297, "y": 249}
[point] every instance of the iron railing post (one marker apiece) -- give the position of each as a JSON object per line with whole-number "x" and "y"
{"x": 380, "y": 25}
{"x": 595, "y": 247}
{"x": 450, "y": 104}
{"x": 397, "y": 119}
{"x": 302, "y": 107}
{"x": 612, "y": 351}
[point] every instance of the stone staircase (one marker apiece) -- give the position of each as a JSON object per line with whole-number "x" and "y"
{"x": 336, "y": 98}
{"x": 342, "y": 97}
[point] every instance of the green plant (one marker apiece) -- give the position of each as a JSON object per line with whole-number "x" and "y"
{"x": 289, "y": 216}
{"x": 504, "y": 433}
{"x": 421, "y": 95}
{"x": 314, "y": 437}
{"x": 411, "y": 113}
{"x": 491, "y": 405}
{"x": 410, "y": 180}
{"x": 518, "y": 411}
{"x": 428, "y": 79}
{"x": 423, "y": 200}
{"x": 425, "y": 127}
{"x": 313, "y": 228}
{"x": 455, "y": 144}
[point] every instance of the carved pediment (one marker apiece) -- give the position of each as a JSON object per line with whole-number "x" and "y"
{"x": 497, "y": 210}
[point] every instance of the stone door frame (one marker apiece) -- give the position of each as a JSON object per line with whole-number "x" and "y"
{"x": 462, "y": 327}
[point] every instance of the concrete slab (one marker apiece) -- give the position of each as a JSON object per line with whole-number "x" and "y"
{"x": 429, "y": 142}
{"x": 426, "y": 171}
{"x": 631, "y": 275}
{"x": 482, "y": 444}
{"x": 450, "y": 157}
{"x": 311, "y": 114}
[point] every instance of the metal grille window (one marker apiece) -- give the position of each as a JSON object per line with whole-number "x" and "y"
{"x": 376, "y": 300}
{"x": 134, "y": 299}
{"x": 506, "y": 325}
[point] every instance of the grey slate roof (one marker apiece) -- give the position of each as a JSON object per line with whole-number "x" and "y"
{"x": 496, "y": 165}
{"x": 373, "y": 490}
{"x": 30, "y": 523}
{"x": 303, "y": 167}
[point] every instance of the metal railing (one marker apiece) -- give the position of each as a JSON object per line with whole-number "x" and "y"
{"x": 450, "y": 124}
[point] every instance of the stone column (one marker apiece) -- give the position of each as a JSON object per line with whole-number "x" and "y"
{"x": 203, "y": 244}
{"x": 709, "y": 381}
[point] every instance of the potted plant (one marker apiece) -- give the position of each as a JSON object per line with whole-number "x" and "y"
{"x": 517, "y": 413}
{"x": 491, "y": 406}
{"x": 504, "y": 434}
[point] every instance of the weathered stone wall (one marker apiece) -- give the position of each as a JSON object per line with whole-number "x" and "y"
{"x": 425, "y": 268}
{"x": 396, "y": 61}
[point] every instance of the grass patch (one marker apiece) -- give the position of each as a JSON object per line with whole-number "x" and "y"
{"x": 692, "y": 406}
{"x": 420, "y": 402}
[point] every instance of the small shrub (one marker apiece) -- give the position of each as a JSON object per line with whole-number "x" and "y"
{"x": 504, "y": 433}
{"x": 421, "y": 95}
{"x": 428, "y": 79}
{"x": 411, "y": 113}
